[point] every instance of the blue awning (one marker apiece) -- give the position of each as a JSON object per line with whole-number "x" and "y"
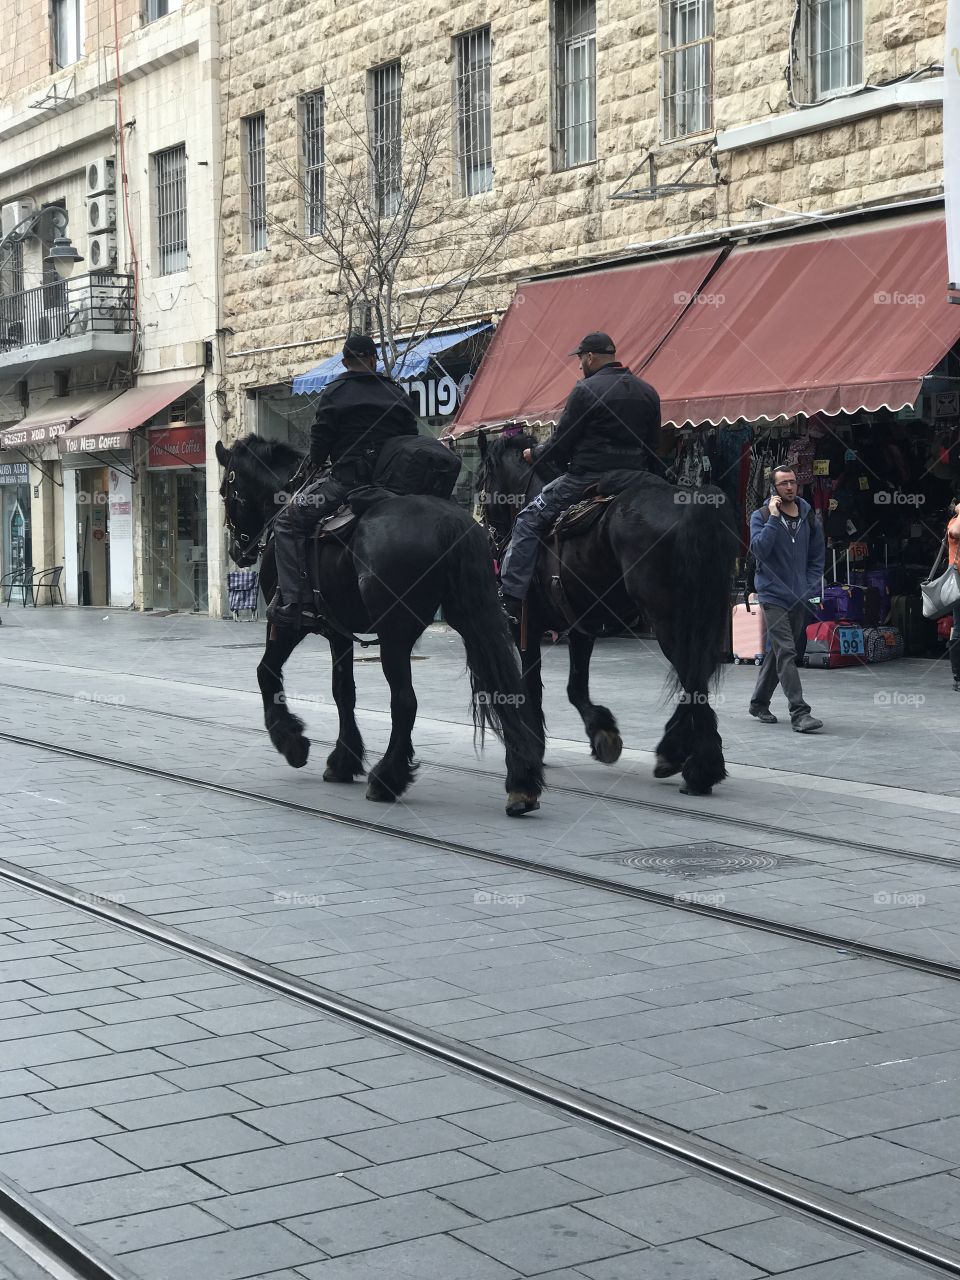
{"x": 413, "y": 360}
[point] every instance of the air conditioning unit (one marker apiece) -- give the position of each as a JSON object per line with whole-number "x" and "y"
{"x": 101, "y": 176}
{"x": 13, "y": 213}
{"x": 92, "y": 306}
{"x": 103, "y": 251}
{"x": 102, "y": 213}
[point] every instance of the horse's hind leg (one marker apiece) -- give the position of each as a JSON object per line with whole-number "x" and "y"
{"x": 345, "y": 761}
{"x": 599, "y": 722}
{"x": 391, "y": 776}
{"x": 285, "y": 729}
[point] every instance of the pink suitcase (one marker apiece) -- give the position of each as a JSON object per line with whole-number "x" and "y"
{"x": 749, "y": 636}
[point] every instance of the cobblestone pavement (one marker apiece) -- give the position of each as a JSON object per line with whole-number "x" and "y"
{"x": 193, "y": 1124}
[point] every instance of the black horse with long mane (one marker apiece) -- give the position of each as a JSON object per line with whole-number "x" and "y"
{"x": 658, "y": 551}
{"x": 407, "y": 557}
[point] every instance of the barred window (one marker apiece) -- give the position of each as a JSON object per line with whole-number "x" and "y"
{"x": 311, "y": 143}
{"x": 686, "y": 67}
{"x": 170, "y": 202}
{"x": 255, "y": 181}
{"x": 474, "y": 124}
{"x": 833, "y": 39}
{"x": 386, "y": 142}
{"x": 67, "y": 40}
{"x": 575, "y": 27}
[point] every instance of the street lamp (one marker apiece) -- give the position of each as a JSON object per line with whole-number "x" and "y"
{"x": 63, "y": 255}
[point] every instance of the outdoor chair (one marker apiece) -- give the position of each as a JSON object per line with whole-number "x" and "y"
{"x": 19, "y": 580}
{"x": 48, "y": 580}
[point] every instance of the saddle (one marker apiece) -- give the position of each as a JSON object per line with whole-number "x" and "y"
{"x": 580, "y": 518}
{"x": 337, "y": 527}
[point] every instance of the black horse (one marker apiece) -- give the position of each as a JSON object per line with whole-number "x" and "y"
{"x": 407, "y": 557}
{"x": 665, "y": 553}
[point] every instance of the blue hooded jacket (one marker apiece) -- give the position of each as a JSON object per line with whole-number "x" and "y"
{"x": 789, "y": 566}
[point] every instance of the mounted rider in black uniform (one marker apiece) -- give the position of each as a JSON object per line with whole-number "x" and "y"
{"x": 357, "y": 413}
{"x": 611, "y": 422}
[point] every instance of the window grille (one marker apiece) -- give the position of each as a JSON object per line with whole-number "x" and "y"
{"x": 686, "y": 67}
{"x": 386, "y": 143}
{"x": 834, "y": 46}
{"x": 255, "y": 131}
{"x": 474, "y": 123}
{"x": 65, "y": 15}
{"x": 575, "y": 24}
{"x": 170, "y": 201}
{"x": 312, "y": 158}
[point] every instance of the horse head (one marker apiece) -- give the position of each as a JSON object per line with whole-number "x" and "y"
{"x": 505, "y": 482}
{"x": 254, "y": 490}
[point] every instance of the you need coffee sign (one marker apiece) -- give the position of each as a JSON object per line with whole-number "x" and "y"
{"x": 177, "y": 447}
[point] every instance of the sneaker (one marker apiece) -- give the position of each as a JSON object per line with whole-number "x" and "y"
{"x": 764, "y": 715}
{"x": 807, "y": 724}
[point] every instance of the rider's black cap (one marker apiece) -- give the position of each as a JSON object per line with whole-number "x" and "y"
{"x": 359, "y": 344}
{"x": 600, "y": 344}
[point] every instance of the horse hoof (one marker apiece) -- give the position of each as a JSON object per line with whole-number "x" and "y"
{"x": 664, "y": 769}
{"x": 331, "y": 775}
{"x": 379, "y": 794}
{"x": 607, "y": 746}
{"x": 519, "y": 803}
{"x": 687, "y": 790}
{"x": 297, "y": 752}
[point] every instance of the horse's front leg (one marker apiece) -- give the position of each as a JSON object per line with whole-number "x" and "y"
{"x": 391, "y": 776}
{"x": 345, "y": 761}
{"x": 605, "y": 741}
{"x": 285, "y": 729}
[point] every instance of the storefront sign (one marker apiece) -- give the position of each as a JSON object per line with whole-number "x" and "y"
{"x": 946, "y": 404}
{"x": 951, "y": 144}
{"x": 14, "y": 472}
{"x": 438, "y": 397}
{"x": 95, "y": 444}
{"x": 16, "y": 437}
{"x": 177, "y": 447}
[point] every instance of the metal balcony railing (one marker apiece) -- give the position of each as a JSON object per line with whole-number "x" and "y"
{"x": 100, "y": 302}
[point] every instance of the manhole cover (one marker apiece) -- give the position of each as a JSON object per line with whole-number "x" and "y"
{"x": 701, "y": 861}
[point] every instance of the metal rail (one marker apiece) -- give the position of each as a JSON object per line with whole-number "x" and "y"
{"x": 50, "y": 1244}
{"x": 574, "y": 1103}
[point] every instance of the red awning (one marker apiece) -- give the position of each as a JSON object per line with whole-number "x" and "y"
{"x": 109, "y": 429}
{"x": 832, "y": 322}
{"x": 53, "y": 418}
{"x": 528, "y": 373}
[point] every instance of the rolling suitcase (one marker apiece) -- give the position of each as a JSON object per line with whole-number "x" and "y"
{"x": 749, "y": 635}
{"x": 834, "y": 644}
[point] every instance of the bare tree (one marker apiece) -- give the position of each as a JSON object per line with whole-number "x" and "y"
{"x": 380, "y": 211}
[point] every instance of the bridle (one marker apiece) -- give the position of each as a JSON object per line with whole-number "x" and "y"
{"x": 231, "y": 495}
{"x": 498, "y": 541}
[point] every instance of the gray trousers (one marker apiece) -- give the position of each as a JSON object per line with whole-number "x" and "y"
{"x": 786, "y": 629}
{"x": 520, "y": 562}
{"x": 291, "y": 536}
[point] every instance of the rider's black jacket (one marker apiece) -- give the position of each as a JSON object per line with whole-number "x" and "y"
{"x": 357, "y": 414}
{"x": 611, "y": 420}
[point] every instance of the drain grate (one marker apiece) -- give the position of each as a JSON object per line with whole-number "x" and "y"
{"x": 701, "y": 861}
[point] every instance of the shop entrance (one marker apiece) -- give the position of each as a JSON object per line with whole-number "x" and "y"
{"x": 93, "y": 536}
{"x": 178, "y": 539}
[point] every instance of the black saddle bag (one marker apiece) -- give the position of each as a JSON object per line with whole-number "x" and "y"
{"x": 416, "y": 464}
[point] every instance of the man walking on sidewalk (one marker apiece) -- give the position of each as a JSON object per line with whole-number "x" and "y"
{"x": 787, "y": 544}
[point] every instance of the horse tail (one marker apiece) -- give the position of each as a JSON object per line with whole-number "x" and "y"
{"x": 471, "y": 605}
{"x": 704, "y": 559}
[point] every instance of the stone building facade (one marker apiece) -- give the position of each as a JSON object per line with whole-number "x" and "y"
{"x": 139, "y": 314}
{"x": 769, "y": 147}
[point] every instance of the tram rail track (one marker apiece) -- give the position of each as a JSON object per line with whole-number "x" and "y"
{"x": 811, "y": 1200}
{"x": 655, "y": 806}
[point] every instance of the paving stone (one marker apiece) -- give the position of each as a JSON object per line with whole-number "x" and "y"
{"x": 781, "y": 1243}
{"x": 74, "y": 981}
{"x": 298, "y": 1162}
{"x": 281, "y": 1088}
{"x": 862, "y": 1163}
{"x": 184, "y": 1143}
{"x": 503, "y": 1195}
{"x": 62, "y": 1164}
{"x": 145, "y": 1007}
{"x": 587, "y": 1068}
{"x": 431, "y": 1256}
{"x": 537, "y": 1242}
{"x": 421, "y": 1173}
{"x": 678, "y": 1210}
{"x": 219, "y": 1049}
{"x": 13, "y": 1083}
{"x": 685, "y": 1260}
{"x": 509, "y": 1120}
{"x": 237, "y": 1255}
{"x": 318, "y": 1118}
{"x": 275, "y": 1203}
{"x": 621, "y": 1170}
{"x": 403, "y": 1069}
{"x": 233, "y": 1071}
{"x": 39, "y": 1050}
{"x": 766, "y": 1137}
{"x": 930, "y": 1202}
{"x": 378, "y": 1222}
{"x": 939, "y": 1138}
{"x": 423, "y": 1099}
{"x": 192, "y": 1105}
{"x": 107, "y": 1091}
{"x": 99, "y": 1196}
{"x": 160, "y": 1226}
{"x": 80, "y": 999}
{"x": 47, "y": 1130}
{"x": 109, "y": 1066}
{"x": 861, "y": 1266}
{"x": 545, "y": 1148}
